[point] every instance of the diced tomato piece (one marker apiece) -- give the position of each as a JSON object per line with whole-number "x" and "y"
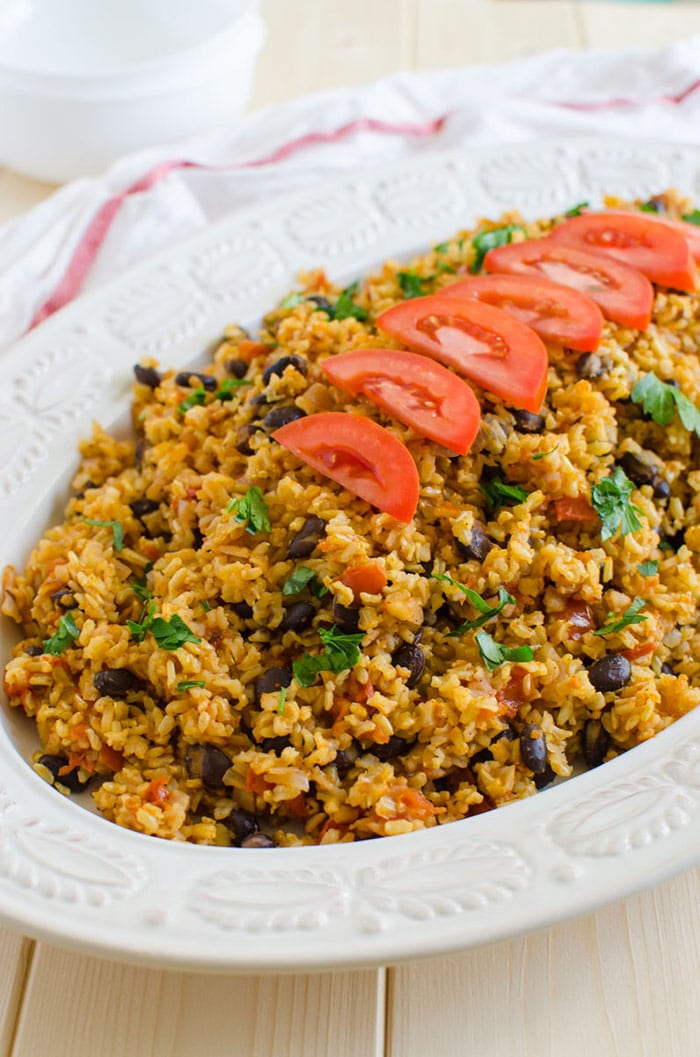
{"x": 412, "y": 804}
{"x": 512, "y": 695}
{"x": 622, "y": 293}
{"x": 485, "y": 344}
{"x": 250, "y": 350}
{"x": 559, "y": 314}
{"x": 579, "y": 617}
{"x": 658, "y": 251}
{"x": 367, "y": 579}
{"x": 157, "y": 791}
{"x": 257, "y": 783}
{"x": 574, "y": 508}
{"x": 419, "y": 392}
{"x": 111, "y": 758}
{"x": 642, "y": 650}
{"x": 360, "y": 455}
{"x": 296, "y": 807}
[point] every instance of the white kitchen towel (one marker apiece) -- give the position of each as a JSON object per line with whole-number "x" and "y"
{"x": 93, "y": 229}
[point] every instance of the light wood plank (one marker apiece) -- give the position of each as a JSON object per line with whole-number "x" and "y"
{"x": 633, "y": 26}
{"x": 620, "y": 982}
{"x": 15, "y": 956}
{"x": 76, "y": 1005}
{"x": 458, "y": 32}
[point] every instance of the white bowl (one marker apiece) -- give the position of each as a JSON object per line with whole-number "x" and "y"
{"x": 82, "y": 83}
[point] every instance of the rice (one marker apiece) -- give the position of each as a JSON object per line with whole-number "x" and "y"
{"x": 210, "y": 740}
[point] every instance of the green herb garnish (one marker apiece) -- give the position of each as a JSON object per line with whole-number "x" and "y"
{"x": 649, "y": 207}
{"x": 283, "y": 698}
{"x": 611, "y": 502}
{"x": 411, "y": 284}
{"x": 576, "y": 210}
{"x": 692, "y": 218}
{"x": 138, "y": 628}
{"x": 197, "y": 396}
{"x": 292, "y": 300}
{"x": 489, "y": 240}
{"x": 116, "y": 527}
{"x": 493, "y": 654}
{"x": 65, "y": 633}
{"x": 345, "y": 307}
{"x": 171, "y": 634}
{"x": 630, "y": 616}
{"x": 498, "y": 493}
{"x": 188, "y": 684}
{"x": 227, "y": 387}
{"x": 544, "y": 454}
{"x": 648, "y": 568}
{"x": 442, "y": 247}
{"x": 341, "y": 653}
{"x": 487, "y": 611}
{"x": 206, "y": 606}
{"x": 658, "y": 400}
{"x": 298, "y": 580}
{"x": 252, "y": 509}
{"x": 141, "y": 590}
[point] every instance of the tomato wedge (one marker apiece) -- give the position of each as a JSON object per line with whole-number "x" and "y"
{"x": 557, "y": 313}
{"x": 623, "y": 293}
{"x": 658, "y": 251}
{"x": 690, "y": 232}
{"x": 360, "y": 455}
{"x": 486, "y": 344}
{"x": 417, "y": 391}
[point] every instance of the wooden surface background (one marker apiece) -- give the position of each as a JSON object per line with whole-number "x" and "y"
{"x": 624, "y": 982}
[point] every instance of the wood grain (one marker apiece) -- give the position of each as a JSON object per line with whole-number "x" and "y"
{"x": 655, "y": 25}
{"x": 75, "y": 1006}
{"x": 15, "y": 956}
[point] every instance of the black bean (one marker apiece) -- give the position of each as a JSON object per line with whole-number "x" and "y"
{"x": 321, "y": 302}
{"x": 242, "y": 824}
{"x": 116, "y": 682}
{"x": 243, "y": 438}
{"x": 139, "y": 452}
{"x": 595, "y": 742}
{"x": 346, "y": 619}
{"x": 662, "y": 489}
{"x": 412, "y": 657}
{"x": 147, "y": 376}
{"x": 54, "y": 764}
{"x": 666, "y": 669}
{"x": 527, "y": 422}
{"x": 345, "y": 759}
{"x": 533, "y": 748}
{"x": 242, "y": 609}
{"x": 236, "y": 368}
{"x": 270, "y": 681}
{"x": 395, "y": 746}
{"x": 63, "y": 597}
{"x": 655, "y": 205}
{"x": 34, "y": 651}
{"x": 275, "y": 745}
{"x": 673, "y": 382}
{"x": 610, "y": 673}
{"x": 591, "y": 365}
{"x": 279, "y": 367}
{"x": 479, "y": 546}
{"x": 639, "y": 470}
{"x": 258, "y": 840}
{"x": 215, "y": 764}
{"x": 307, "y": 538}
{"x": 140, "y": 507}
{"x": 282, "y": 416}
{"x": 546, "y": 778}
{"x": 674, "y": 542}
{"x": 298, "y": 616}
{"x": 184, "y": 378}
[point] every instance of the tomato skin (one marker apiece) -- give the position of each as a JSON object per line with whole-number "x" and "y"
{"x": 658, "y": 251}
{"x": 690, "y": 232}
{"x": 485, "y": 344}
{"x": 622, "y": 293}
{"x": 574, "y": 508}
{"x": 367, "y": 579}
{"x": 417, "y": 391}
{"x": 358, "y": 454}
{"x": 559, "y": 314}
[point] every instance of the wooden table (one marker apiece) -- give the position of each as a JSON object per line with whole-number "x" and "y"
{"x": 620, "y": 983}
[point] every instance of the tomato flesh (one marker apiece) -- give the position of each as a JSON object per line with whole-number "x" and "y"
{"x": 622, "y": 293}
{"x": 658, "y": 251}
{"x": 417, "y": 391}
{"x": 690, "y": 232}
{"x": 485, "y": 344}
{"x": 559, "y": 314}
{"x": 358, "y": 454}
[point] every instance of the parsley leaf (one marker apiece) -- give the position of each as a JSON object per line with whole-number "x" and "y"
{"x": 649, "y": 207}
{"x": 544, "y": 454}
{"x": 139, "y": 628}
{"x": 171, "y": 634}
{"x": 493, "y": 654}
{"x": 498, "y": 492}
{"x": 298, "y": 580}
{"x": 283, "y": 698}
{"x": 411, "y": 284}
{"x": 65, "y": 633}
{"x": 630, "y": 616}
{"x": 341, "y": 653}
{"x": 442, "y": 247}
{"x": 659, "y": 398}
{"x": 141, "y": 590}
{"x": 227, "y": 387}
{"x": 117, "y": 531}
{"x": 484, "y": 241}
{"x": 345, "y": 307}
{"x": 648, "y": 568}
{"x": 692, "y": 218}
{"x": 252, "y": 508}
{"x": 292, "y": 300}
{"x": 487, "y": 611}
{"x": 576, "y": 210}
{"x": 197, "y": 396}
{"x": 206, "y": 606}
{"x": 188, "y": 684}
{"x": 611, "y": 502}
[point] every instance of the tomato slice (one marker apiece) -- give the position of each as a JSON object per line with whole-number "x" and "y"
{"x": 557, "y": 313}
{"x": 486, "y": 344}
{"x": 623, "y": 293}
{"x": 658, "y": 251}
{"x": 360, "y": 455}
{"x": 690, "y": 232}
{"x": 417, "y": 391}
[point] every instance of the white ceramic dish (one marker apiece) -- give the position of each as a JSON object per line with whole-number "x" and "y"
{"x": 68, "y": 875}
{"x": 82, "y": 83}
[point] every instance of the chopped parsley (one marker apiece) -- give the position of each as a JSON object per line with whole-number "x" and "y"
{"x": 138, "y": 628}
{"x": 298, "y": 580}
{"x": 345, "y": 307}
{"x": 171, "y": 634}
{"x": 630, "y": 616}
{"x": 412, "y": 285}
{"x": 197, "y": 396}
{"x": 252, "y": 509}
{"x": 576, "y": 210}
{"x": 283, "y": 698}
{"x": 189, "y": 684}
{"x": 692, "y": 218}
{"x": 116, "y": 527}
{"x": 611, "y": 502}
{"x": 292, "y": 300}
{"x": 544, "y": 454}
{"x": 141, "y": 590}
{"x": 649, "y": 207}
{"x": 648, "y": 568}
{"x": 64, "y": 635}
{"x": 498, "y": 493}
{"x": 442, "y": 247}
{"x": 341, "y": 653}
{"x": 659, "y": 399}
{"x": 486, "y": 611}
{"x": 206, "y": 606}
{"x": 227, "y": 387}
{"x": 493, "y": 654}
{"x": 484, "y": 241}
